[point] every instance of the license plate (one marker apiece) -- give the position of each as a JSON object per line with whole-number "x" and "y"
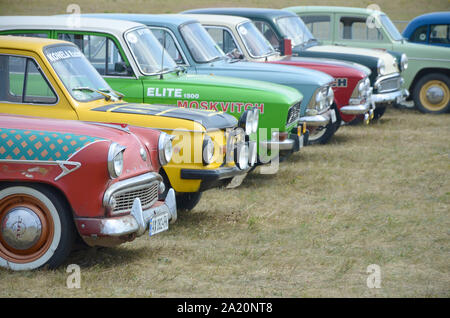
{"x": 159, "y": 224}
{"x": 333, "y": 116}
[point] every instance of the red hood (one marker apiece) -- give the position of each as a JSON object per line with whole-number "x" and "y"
{"x": 331, "y": 67}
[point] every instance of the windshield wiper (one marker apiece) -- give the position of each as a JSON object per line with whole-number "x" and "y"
{"x": 107, "y": 96}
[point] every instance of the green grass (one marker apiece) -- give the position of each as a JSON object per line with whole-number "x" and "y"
{"x": 376, "y": 194}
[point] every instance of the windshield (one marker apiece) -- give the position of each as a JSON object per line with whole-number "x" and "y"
{"x": 76, "y": 72}
{"x": 257, "y": 45}
{"x": 201, "y": 45}
{"x": 391, "y": 28}
{"x": 294, "y": 29}
{"x": 148, "y": 53}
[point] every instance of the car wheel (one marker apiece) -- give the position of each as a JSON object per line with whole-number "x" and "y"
{"x": 379, "y": 111}
{"x": 322, "y": 135}
{"x": 36, "y": 228}
{"x": 432, "y": 94}
{"x": 187, "y": 201}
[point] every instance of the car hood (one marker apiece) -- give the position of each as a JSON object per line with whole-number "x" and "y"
{"x": 420, "y": 51}
{"x": 209, "y": 119}
{"x": 389, "y": 60}
{"x": 280, "y": 74}
{"x": 332, "y": 67}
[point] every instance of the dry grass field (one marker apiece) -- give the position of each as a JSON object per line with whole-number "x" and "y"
{"x": 377, "y": 194}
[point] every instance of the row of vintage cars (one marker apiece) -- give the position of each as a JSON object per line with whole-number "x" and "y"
{"x": 138, "y": 114}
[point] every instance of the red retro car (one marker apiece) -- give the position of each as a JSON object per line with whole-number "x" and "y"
{"x": 60, "y": 179}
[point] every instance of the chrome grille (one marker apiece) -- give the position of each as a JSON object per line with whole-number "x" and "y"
{"x": 390, "y": 84}
{"x": 293, "y": 113}
{"x": 148, "y": 194}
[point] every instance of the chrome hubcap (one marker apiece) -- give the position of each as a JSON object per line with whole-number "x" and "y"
{"x": 21, "y": 228}
{"x": 435, "y": 95}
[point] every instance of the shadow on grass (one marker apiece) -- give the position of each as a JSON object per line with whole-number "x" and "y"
{"x": 106, "y": 257}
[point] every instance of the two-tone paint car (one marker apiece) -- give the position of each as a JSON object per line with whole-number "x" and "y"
{"x": 277, "y": 25}
{"x": 53, "y": 79}
{"x": 134, "y": 63}
{"x": 192, "y": 48}
{"x": 430, "y": 28}
{"x": 60, "y": 179}
{"x": 352, "y": 91}
{"x": 428, "y": 74}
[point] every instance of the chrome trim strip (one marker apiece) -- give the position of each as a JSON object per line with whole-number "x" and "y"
{"x": 427, "y": 59}
{"x": 65, "y": 170}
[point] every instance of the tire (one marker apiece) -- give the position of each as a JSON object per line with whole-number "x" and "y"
{"x": 187, "y": 201}
{"x": 322, "y": 135}
{"x": 22, "y": 245}
{"x": 431, "y": 94}
{"x": 379, "y": 111}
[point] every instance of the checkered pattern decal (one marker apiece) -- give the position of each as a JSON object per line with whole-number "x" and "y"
{"x": 18, "y": 144}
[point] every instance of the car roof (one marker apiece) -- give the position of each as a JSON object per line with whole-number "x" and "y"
{"x": 28, "y": 43}
{"x": 221, "y": 19}
{"x": 250, "y": 12}
{"x": 66, "y": 22}
{"x": 425, "y": 19}
{"x": 334, "y": 9}
{"x": 173, "y": 19}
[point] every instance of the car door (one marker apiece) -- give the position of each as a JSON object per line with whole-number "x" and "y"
{"x": 108, "y": 58}
{"x": 360, "y": 31}
{"x": 29, "y": 89}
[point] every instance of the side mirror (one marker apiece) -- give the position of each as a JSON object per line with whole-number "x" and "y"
{"x": 285, "y": 46}
{"x": 235, "y": 54}
{"x": 122, "y": 67}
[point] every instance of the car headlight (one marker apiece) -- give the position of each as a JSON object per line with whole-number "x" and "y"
{"x": 245, "y": 121}
{"x": 404, "y": 62}
{"x": 208, "y": 150}
{"x": 381, "y": 67}
{"x": 115, "y": 160}
{"x": 165, "y": 148}
{"x": 241, "y": 156}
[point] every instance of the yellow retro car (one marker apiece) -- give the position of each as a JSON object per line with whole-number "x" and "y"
{"x": 52, "y": 78}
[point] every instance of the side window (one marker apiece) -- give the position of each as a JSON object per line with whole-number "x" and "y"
{"x": 440, "y": 34}
{"x": 420, "y": 34}
{"x": 101, "y": 51}
{"x": 268, "y": 32}
{"x": 355, "y": 28}
{"x": 24, "y": 81}
{"x": 223, "y": 38}
{"x": 168, "y": 42}
{"x": 319, "y": 25}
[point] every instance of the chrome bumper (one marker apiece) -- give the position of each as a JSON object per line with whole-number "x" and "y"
{"x": 317, "y": 120}
{"x": 287, "y": 144}
{"x": 294, "y": 142}
{"x": 138, "y": 221}
{"x": 396, "y": 96}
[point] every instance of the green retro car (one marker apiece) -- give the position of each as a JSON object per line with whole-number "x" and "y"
{"x": 428, "y": 74}
{"x": 133, "y": 62}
